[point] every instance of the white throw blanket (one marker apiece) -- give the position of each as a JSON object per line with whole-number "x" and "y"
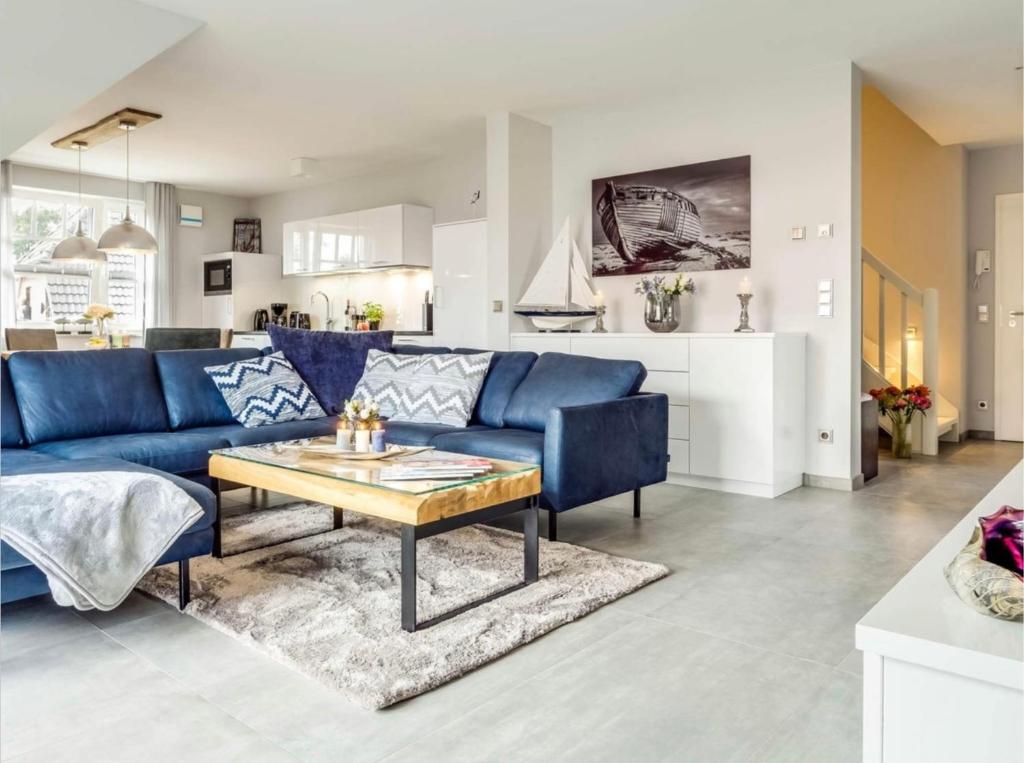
{"x": 93, "y": 534}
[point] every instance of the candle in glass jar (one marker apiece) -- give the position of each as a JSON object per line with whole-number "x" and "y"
{"x": 745, "y": 286}
{"x": 362, "y": 440}
{"x": 377, "y": 441}
{"x": 344, "y": 441}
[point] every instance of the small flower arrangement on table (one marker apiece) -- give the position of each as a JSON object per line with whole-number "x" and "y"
{"x": 662, "y": 309}
{"x": 99, "y": 315}
{"x": 360, "y": 424}
{"x": 900, "y": 405}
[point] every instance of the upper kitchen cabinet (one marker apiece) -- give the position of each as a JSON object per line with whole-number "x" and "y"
{"x": 396, "y": 236}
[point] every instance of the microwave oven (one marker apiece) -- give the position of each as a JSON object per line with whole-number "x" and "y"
{"x": 216, "y": 277}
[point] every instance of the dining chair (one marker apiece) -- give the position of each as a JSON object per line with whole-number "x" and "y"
{"x": 30, "y": 339}
{"x": 182, "y": 339}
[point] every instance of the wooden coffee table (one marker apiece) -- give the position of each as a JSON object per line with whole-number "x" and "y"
{"x": 423, "y": 508}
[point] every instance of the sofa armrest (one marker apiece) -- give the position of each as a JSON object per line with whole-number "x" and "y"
{"x": 603, "y": 449}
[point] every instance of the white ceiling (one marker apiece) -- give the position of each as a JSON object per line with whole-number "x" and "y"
{"x": 359, "y": 85}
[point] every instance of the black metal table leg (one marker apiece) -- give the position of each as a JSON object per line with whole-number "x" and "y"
{"x": 636, "y": 503}
{"x": 339, "y": 518}
{"x": 413, "y": 533}
{"x": 184, "y": 584}
{"x": 218, "y": 552}
{"x": 552, "y": 525}
{"x": 531, "y": 543}
{"x": 409, "y": 578}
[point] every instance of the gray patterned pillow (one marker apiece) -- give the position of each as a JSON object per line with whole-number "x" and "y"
{"x": 430, "y": 389}
{"x": 264, "y": 390}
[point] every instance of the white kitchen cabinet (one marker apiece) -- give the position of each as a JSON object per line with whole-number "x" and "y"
{"x": 460, "y": 284}
{"x": 370, "y": 239}
{"x": 736, "y": 401}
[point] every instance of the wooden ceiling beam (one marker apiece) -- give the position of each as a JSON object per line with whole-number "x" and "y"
{"x": 105, "y": 129}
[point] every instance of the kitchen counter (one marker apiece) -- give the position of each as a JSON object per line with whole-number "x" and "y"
{"x": 397, "y": 333}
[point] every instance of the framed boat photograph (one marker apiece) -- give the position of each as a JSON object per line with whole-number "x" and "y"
{"x": 677, "y": 219}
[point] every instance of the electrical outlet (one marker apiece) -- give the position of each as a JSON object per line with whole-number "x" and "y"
{"x": 798, "y": 233}
{"x": 825, "y": 436}
{"x": 825, "y": 230}
{"x": 983, "y": 405}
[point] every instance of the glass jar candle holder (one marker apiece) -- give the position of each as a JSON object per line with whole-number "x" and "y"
{"x": 344, "y": 437}
{"x": 362, "y": 438}
{"x": 378, "y": 438}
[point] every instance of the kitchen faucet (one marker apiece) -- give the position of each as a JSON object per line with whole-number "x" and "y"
{"x": 329, "y": 322}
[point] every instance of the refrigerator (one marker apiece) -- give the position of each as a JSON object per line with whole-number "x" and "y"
{"x": 460, "y": 284}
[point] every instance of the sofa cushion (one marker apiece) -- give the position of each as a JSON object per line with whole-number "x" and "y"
{"x": 22, "y": 461}
{"x": 174, "y": 452}
{"x": 417, "y": 433}
{"x": 430, "y": 389}
{"x": 507, "y": 370}
{"x": 11, "y": 435}
{"x": 558, "y": 380}
{"x": 192, "y": 398}
{"x": 330, "y": 362}
{"x": 265, "y": 390}
{"x": 238, "y": 435}
{"x": 43, "y": 464}
{"x": 509, "y": 444}
{"x": 66, "y": 395}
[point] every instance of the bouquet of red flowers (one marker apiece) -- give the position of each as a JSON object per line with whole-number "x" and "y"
{"x": 900, "y": 405}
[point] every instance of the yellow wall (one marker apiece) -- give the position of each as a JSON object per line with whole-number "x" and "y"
{"x": 913, "y": 194}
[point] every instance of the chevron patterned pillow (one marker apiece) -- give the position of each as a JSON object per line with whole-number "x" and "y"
{"x": 265, "y": 390}
{"x": 430, "y": 389}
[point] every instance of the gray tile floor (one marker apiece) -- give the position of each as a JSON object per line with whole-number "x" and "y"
{"x": 745, "y": 652}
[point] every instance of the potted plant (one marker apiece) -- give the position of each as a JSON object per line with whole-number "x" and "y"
{"x": 374, "y": 313}
{"x": 62, "y": 325}
{"x": 900, "y": 405}
{"x": 662, "y": 310}
{"x": 99, "y": 315}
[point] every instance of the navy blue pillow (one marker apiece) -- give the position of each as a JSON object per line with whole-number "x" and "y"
{"x": 330, "y": 362}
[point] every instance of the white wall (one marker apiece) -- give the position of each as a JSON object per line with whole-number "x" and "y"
{"x": 190, "y": 244}
{"x": 801, "y": 134}
{"x": 990, "y": 172}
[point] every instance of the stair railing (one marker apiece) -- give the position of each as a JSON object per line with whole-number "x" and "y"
{"x": 928, "y": 299}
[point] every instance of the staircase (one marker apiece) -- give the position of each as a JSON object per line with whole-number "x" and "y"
{"x": 917, "y": 361}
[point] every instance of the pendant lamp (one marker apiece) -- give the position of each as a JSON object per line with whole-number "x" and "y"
{"x": 78, "y": 248}
{"x": 126, "y": 237}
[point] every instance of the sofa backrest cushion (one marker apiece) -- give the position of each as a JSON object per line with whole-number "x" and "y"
{"x": 11, "y": 435}
{"x": 64, "y": 395}
{"x": 416, "y": 349}
{"x": 507, "y": 370}
{"x": 192, "y": 398}
{"x": 330, "y": 362}
{"x": 558, "y": 381}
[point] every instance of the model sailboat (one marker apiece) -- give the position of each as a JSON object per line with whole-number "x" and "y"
{"x": 560, "y": 293}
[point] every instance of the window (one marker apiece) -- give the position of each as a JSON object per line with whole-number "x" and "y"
{"x": 56, "y": 292}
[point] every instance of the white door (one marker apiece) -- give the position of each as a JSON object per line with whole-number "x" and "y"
{"x": 1009, "y": 279}
{"x": 460, "y": 284}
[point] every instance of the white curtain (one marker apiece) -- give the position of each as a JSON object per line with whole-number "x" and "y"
{"x": 161, "y": 213}
{"x": 8, "y": 290}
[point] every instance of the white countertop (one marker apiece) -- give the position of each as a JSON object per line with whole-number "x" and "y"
{"x": 654, "y": 335}
{"x": 921, "y": 620}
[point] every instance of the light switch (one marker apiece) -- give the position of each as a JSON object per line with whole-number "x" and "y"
{"x": 982, "y": 313}
{"x": 497, "y": 306}
{"x": 798, "y": 233}
{"x": 825, "y": 298}
{"x": 824, "y": 230}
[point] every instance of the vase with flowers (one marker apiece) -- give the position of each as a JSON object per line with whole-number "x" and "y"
{"x": 662, "y": 309}
{"x": 363, "y": 417}
{"x": 99, "y": 315}
{"x": 900, "y": 405}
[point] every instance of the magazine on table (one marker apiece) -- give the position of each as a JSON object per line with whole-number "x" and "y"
{"x": 434, "y": 466}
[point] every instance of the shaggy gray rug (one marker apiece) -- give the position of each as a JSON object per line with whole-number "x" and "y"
{"x": 328, "y": 605}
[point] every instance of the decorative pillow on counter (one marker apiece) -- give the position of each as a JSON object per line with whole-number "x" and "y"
{"x": 429, "y": 389}
{"x": 265, "y": 390}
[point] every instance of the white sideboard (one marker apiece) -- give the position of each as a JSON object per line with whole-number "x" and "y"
{"x": 736, "y": 401}
{"x": 941, "y": 681}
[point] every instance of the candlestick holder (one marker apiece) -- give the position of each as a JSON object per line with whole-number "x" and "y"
{"x": 599, "y": 326}
{"x": 744, "y": 327}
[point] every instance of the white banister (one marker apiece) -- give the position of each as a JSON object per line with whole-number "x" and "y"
{"x": 926, "y": 431}
{"x": 930, "y": 377}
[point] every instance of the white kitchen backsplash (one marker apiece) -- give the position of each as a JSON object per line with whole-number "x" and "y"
{"x": 400, "y": 292}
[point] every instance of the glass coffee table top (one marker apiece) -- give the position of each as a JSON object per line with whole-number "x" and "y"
{"x": 291, "y": 455}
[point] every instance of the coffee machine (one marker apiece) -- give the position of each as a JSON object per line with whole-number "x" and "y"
{"x": 260, "y": 319}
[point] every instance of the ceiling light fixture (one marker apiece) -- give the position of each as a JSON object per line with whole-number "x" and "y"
{"x": 78, "y": 248}
{"x": 126, "y": 237}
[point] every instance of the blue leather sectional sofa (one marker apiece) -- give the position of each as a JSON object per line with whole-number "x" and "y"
{"x": 582, "y": 419}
